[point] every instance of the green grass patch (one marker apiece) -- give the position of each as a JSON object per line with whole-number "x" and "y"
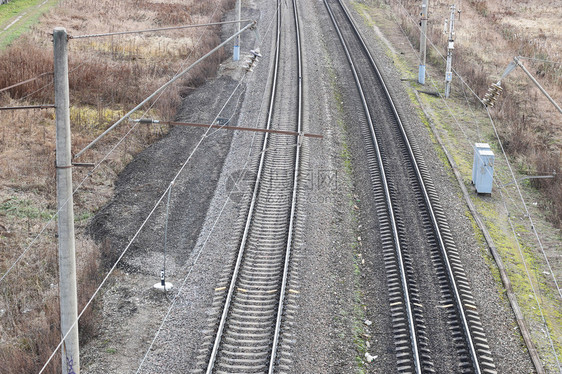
{"x": 9, "y": 13}
{"x": 21, "y": 208}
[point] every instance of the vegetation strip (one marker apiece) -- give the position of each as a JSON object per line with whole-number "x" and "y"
{"x": 24, "y": 19}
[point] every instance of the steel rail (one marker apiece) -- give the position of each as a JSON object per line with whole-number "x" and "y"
{"x": 293, "y": 198}
{"x": 249, "y": 219}
{"x": 415, "y": 351}
{"x": 431, "y": 212}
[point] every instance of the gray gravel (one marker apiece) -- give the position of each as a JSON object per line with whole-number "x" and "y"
{"x": 337, "y": 274}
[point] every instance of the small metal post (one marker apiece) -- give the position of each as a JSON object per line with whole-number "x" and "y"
{"x": 423, "y": 39}
{"x": 450, "y": 47}
{"x": 163, "y": 285}
{"x": 67, "y": 260}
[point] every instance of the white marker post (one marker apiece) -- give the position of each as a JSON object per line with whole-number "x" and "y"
{"x": 423, "y": 38}
{"x": 236, "y": 53}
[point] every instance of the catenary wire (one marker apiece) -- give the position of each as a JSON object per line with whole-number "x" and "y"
{"x": 156, "y": 29}
{"x": 540, "y": 59}
{"x": 203, "y": 137}
{"x": 528, "y": 214}
{"x": 26, "y": 81}
{"x": 44, "y": 228}
{"x": 531, "y": 284}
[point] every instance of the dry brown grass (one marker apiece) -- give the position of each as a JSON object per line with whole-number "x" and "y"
{"x": 487, "y": 38}
{"x": 107, "y": 77}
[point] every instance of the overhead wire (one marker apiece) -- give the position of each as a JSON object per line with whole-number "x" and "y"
{"x": 539, "y": 59}
{"x": 214, "y": 223}
{"x": 203, "y": 137}
{"x": 528, "y": 214}
{"x": 160, "y": 89}
{"x": 26, "y": 81}
{"x": 97, "y": 165}
{"x": 196, "y": 259}
{"x": 503, "y": 153}
{"x": 173, "y": 181}
{"x": 546, "y": 328}
{"x": 156, "y": 29}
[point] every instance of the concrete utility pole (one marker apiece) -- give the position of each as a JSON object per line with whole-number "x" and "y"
{"x": 423, "y": 38}
{"x": 236, "y": 54}
{"x": 495, "y": 90}
{"x": 450, "y": 47}
{"x": 67, "y": 260}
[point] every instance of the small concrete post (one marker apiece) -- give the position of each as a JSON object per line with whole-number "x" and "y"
{"x": 67, "y": 260}
{"x": 423, "y": 39}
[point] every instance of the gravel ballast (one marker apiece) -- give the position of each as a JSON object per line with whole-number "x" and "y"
{"x": 341, "y": 309}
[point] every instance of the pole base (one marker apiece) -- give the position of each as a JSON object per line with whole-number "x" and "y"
{"x": 166, "y": 287}
{"x": 421, "y": 75}
{"x": 236, "y": 53}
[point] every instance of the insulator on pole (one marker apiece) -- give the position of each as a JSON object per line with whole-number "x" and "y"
{"x": 492, "y": 95}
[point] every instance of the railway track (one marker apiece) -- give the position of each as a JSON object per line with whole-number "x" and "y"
{"x": 436, "y": 324}
{"x": 245, "y": 328}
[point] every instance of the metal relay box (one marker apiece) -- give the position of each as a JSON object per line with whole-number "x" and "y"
{"x": 483, "y": 168}
{"x": 477, "y": 148}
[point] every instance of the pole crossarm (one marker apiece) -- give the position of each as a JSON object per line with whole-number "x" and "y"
{"x": 26, "y": 81}
{"x": 513, "y": 65}
{"x": 156, "y": 30}
{"x": 224, "y": 127}
{"x": 46, "y": 106}
{"x": 162, "y": 88}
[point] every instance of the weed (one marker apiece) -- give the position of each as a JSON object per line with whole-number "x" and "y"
{"x": 529, "y": 134}
{"x": 18, "y": 208}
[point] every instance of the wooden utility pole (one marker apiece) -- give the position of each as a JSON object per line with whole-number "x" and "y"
{"x": 67, "y": 260}
{"x": 450, "y": 47}
{"x": 423, "y": 38}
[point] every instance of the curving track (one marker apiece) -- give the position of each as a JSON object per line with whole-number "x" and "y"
{"x": 244, "y": 336}
{"x": 435, "y": 321}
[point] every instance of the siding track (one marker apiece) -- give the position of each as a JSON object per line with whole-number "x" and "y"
{"x": 247, "y": 319}
{"x": 435, "y": 321}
